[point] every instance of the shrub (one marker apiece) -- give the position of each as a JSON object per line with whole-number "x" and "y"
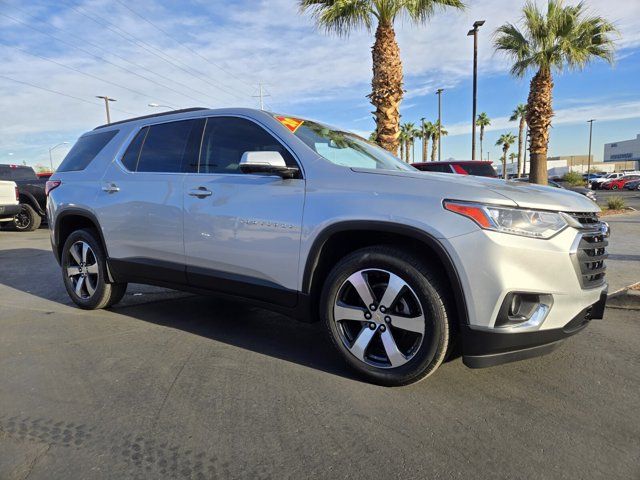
{"x": 615, "y": 203}
{"x": 573, "y": 178}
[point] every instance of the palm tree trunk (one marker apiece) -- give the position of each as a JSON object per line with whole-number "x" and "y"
{"x": 481, "y": 138}
{"x": 539, "y": 113}
{"x": 434, "y": 148}
{"x": 521, "y": 145}
{"x": 425, "y": 147}
{"x": 386, "y": 87}
{"x": 504, "y": 163}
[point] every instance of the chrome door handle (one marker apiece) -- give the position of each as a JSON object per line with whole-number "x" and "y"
{"x": 200, "y": 192}
{"x": 110, "y": 187}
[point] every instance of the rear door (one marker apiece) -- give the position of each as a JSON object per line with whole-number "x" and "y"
{"x": 242, "y": 232}
{"x": 140, "y": 205}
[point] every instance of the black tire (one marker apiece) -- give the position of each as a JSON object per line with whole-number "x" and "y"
{"x": 27, "y": 220}
{"x": 105, "y": 294}
{"x": 425, "y": 284}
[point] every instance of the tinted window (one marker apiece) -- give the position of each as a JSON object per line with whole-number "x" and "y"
{"x": 479, "y": 170}
{"x": 226, "y": 139}
{"x": 85, "y": 150}
{"x": 17, "y": 172}
{"x": 130, "y": 158}
{"x": 171, "y": 147}
{"x": 434, "y": 168}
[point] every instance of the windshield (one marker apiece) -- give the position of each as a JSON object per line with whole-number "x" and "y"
{"x": 342, "y": 148}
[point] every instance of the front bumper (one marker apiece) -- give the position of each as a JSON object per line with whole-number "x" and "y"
{"x": 493, "y": 265}
{"x": 485, "y": 348}
{"x": 9, "y": 211}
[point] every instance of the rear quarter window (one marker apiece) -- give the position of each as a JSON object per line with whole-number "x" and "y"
{"x": 85, "y": 150}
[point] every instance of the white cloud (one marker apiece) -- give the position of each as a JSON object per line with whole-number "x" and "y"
{"x": 258, "y": 41}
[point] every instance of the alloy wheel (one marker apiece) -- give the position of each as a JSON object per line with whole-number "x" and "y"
{"x": 22, "y": 220}
{"x": 82, "y": 269}
{"x": 379, "y": 318}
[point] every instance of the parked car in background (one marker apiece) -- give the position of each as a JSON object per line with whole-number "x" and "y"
{"x": 9, "y": 204}
{"x": 31, "y": 190}
{"x": 400, "y": 266}
{"x": 619, "y": 183}
{"x": 597, "y": 183}
{"x": 587, "y": 192}
{"x": 592, "y": 176}
{"x": 44, "y": 175}
{"x": 632, "y": 185}
{"x": 478, "y": 168}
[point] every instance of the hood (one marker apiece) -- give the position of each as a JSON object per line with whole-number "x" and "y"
{"x": 524, "y": 195}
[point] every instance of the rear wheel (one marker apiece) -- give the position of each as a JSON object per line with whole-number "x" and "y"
{"x": 386, "y": 314}
{"x": 84, "y": 272}
{"x": 27, "y": 220}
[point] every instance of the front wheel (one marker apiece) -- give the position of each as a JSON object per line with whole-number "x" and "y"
{"x": 386, "y": 314}
{"x": 84, "y": 271}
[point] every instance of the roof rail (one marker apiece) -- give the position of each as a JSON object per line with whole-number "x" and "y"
{"x": 153, "y": 115}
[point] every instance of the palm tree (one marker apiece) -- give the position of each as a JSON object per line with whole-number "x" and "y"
{"x": 563, "y": 36}
{"x": 482, "y": 121}
{"x": 434, "y": 139}
{"x": 519, "y": 114}
{"x": 427, "y": 128}
{"x": 505, "y": 140}
{"x": 406, "y": 131}
{"x": 512, "y": 157}
{"x": 343, "y": 16}
{"x": 417, "y": 134}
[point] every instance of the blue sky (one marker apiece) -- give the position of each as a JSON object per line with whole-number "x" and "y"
{"x": 214, "y": 53}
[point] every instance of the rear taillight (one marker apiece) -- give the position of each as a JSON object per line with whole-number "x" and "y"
{"x": 51, "y": 185}
{"x": 17, "y": 194}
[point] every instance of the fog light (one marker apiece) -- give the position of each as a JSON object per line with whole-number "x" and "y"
{"x": 523, "y": 310}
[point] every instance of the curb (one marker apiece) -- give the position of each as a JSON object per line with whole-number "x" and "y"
{"x": 625, "y": 298}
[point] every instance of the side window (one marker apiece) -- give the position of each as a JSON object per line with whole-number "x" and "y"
{"x": 130, "y": 158}
{"x": 85, "y": 150}
{"x": 226, "y": 139}
{"x": 171, "y": 147}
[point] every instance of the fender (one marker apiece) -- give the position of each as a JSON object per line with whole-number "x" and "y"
{"x": 387, "y": 227}
{"x": 78, "y": 212}
{"x": 31, "y": 200}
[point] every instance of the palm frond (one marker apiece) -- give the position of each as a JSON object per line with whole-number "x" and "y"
{"x": 339, "y": 16}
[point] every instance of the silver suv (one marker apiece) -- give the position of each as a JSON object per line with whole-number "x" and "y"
{"x": 402, "y": 267}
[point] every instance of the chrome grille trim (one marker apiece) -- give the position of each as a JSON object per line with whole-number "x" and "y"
{"x": 589, "y": 250}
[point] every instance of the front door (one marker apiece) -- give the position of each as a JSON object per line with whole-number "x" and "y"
{"x": 242, "y": 232}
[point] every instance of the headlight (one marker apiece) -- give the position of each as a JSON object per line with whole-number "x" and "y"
{"x": 527, "y": 223}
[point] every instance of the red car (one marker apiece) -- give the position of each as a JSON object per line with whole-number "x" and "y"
{"x": 480, "y": 168}
{"x": 619, "y": 183}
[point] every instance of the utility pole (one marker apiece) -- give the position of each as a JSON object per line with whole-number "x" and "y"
{"x": 590, "y": 122}
{"x": 439, "y": 93}
{"x": 261, "y": 96}
{"x": 106, "y": 105}
{"x": 474, "y": 33}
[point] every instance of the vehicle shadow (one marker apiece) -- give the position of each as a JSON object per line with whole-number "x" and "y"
{"x": 231, "y": 322}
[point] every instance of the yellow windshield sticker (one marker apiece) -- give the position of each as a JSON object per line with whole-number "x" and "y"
{"x": 291, "y": 123}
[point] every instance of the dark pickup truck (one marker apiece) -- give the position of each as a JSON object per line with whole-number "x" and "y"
{"x": 31, "y": 190}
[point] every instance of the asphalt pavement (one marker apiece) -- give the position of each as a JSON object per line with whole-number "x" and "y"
{"x": 171, "y": 385}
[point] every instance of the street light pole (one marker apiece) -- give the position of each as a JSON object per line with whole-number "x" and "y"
{"x": 439, "y": 93}
{"x": 51, "y": 149}
{"x": 474, "y": 33}
{"x": 106, "y": 105}
{"x": 590, "y": 122}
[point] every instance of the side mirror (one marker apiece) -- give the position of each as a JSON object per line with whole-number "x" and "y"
{"x": 270, "y": 163}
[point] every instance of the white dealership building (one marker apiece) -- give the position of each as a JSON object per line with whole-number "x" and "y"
{"x": 626, "y": 152}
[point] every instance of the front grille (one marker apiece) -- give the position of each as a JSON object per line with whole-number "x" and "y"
{"x": 586, "y": 219}
{"x": 590, "y": 253}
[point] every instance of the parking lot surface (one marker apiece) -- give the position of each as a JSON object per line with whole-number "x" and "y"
{"x": 631, "y": 198}
{"x": 170, "y": 385}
